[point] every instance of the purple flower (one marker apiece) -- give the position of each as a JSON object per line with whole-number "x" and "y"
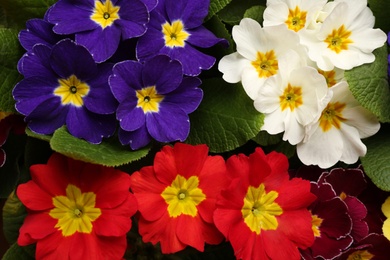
{"x": 155, "y": 100}
{"x": 64, "y": 85}
{"x": 98, "y": 25}
{"x": 175, "y": 29}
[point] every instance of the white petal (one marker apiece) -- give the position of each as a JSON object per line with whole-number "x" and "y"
{"x": 274, "y": 122}
{"x": 294, "y": 132}
{"x": 248, "y": 36}
{"x": 353, "y": 146}
{"x": 232, "y": 66}
{"x": 251, "y": 82}
{"x": 363, "y": 120}
{"x": 268, "y": 99}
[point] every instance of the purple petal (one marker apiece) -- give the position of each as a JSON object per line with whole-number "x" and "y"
{"x": 47, "y": 116}
{"x": 187, "y": 96}
{"x": 125, "y": 78}
{"x": 72, "y": 16}
{"x": 102, "y": 44}
{"x": 193, "y": 61}
{"x": 69, "y": 58}
{"x": 150, "y": 4}
{"x": 169, "y": 124}
{"x": 130, "y": 117}
{"x": 31, "y": 92}
{"x": 133, "y": 18}
{"x": 100, "y": 99}
{"x": 201, "y": 37}
{"x": 162, "y": 72}
{"x": 190, "y": 12}
{"x": 36, "y": 63}
{"x": 38, "y": 31}
{"x": 89, "y": 126}
{"x": 150, "y": 44}
{"x": 135, "y": 139}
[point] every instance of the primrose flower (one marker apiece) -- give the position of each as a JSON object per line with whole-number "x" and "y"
{"x": 386, "y": 223}
{"x": 177, "y": 195}
{"x": 76, "y": 210}
{"x": 155, "y": 100}
{"x": 373, "y": 246}
{"x": 100, "y": 25}
{"x": 176, "y": 29}
{"x": 263, "y": 209}
{"x": 292, "y": 99}
{"x": 342, "y": 124}
{"x": 346, "y": 38}
{"x": 64, "y": 85}
{"x": 259, "y": 51}
{"x": 296, "y": 14}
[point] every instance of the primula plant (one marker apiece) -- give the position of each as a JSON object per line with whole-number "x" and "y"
{"x": 181, "y": 129}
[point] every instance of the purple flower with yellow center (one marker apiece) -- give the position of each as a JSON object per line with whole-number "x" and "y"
{"x": 155, "y": 100}
{"x": 64, "y": 85}
{"x": 176, "y": 29}
{"x": 99, "y": 25}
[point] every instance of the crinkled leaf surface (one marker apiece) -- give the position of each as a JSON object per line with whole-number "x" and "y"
{"x": 226, "y": 118}
{"x": 234, "y": 12}
{"x": 256, "y": 13}
{"x": 216, "y": 6}
{"x": 13, "y": 216}
{"x": 10, "y": 53}
{"x": 381, "y": 8}
{"x": 109, "y": 153}
{"x": 376, "y": 162}
{"x": 16, "y": 252}
{"x": 370, "y": 86}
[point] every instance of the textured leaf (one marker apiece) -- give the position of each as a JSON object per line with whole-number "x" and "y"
{"x": 376, "y": 162}
{"x": 109, "y": 152}
{"x": 10, "y": 52}
{"x": 263, "y": 138}
{"x": 226, "y": 118}
{"x": 381, "y": 8}
{"x": 13, "y": 216}
{"x": 234, "y": 12}
{"x": 216, "y": 6}
{"x": 38, "y": 136}
{"x": 16, "y": 252}
{"x": 370, "y": 87}
{"x": 256, "y": 13}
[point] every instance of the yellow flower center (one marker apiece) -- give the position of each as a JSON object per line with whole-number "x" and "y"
{"x": 72, "y": 91}
{"x": 174, "y": 34}
{"x": 260, "y": 209}
{"x": 296, "y": 19}
{"x": 330, "y": 77}
{"x": 183, "y": 196}
{"x": 291, "y": 98}
{"x": 75, "y": 212}
{"x": 105, "y": 14}
{"x": 360, "y": 255}
{"x": 332, "y": 116}
{"x": 266, "y": 64}
{"x": 149, "y": 99}
{"x": 338, "y": 40}
{"x": 315, "y": 225}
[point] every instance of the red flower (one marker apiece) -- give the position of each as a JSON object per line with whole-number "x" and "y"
{"x": 176, "y": 197}
{"x": 76, "y": 210}
{"x": 263, "y": 213}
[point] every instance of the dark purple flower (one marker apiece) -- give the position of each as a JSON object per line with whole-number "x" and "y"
{"x": 176, "y": 29}
{"x": 155, "y": 100}
{"x": 100, "y": 25}
{"x": 64, "y": 85}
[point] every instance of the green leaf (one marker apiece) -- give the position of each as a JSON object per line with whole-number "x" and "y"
{"x": 263, "y": 138}
{"x": 226, "y": 118}
{"x": 376, "y": 162}
{"x": 17, "y": 12}
{"x": 109, "y": 153}
{"x": 16, "y": 252}
{"x": 13, "y": 216}
{"x": 256, "y": 13}
{"x": 38, "y": 136}
{"x": 234, "y": 12}
{"x": 381, "y": 8}
{"x": 370, "y": 87}
{"x": 10, "y": 53}
{"x": 216, "y": 6}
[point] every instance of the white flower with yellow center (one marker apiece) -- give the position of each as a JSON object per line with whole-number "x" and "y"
{"x": 293, "y": 99}
{"x": 258, "y": 53}
{"x": 295, "y": 14}
{"x": 346, "y": 38}
{"x": 336, "y": 135}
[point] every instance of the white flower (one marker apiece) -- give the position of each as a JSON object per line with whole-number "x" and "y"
{"x": 258, "y": 52}
{"x": 346, "y": 38}
{"x": 293, "y": 99}
{"x": 336, "y": 135}
{"x": 295, "y": 14}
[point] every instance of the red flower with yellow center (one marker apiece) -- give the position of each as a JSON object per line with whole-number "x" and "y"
{"x": 76, "y": 210}
{"x": 177, "y": 195}
{"x": 262, "y": 212}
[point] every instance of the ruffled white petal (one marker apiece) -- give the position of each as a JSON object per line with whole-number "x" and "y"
{"x": 232, "y": 66}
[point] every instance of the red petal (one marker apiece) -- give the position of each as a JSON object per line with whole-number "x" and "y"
{"x": 243, "y": 241}
{"x": 206, "y": 209}
{"x": 212, "y": 178}
{"x": 273, "y": 239}
{"x": 145, "y": 181}
{"x": 165, "y": 165}
{"x": 329, "y": 248}
{"x": 189, "y": 159}
{"x": 189, "y": 231}
{"x": 36, "y": 227}
{"x": 225, "y": 219}
{"x": 238, "y": 167}
{"x": 294, "y": 194}
{"x": 55, "y": 246}
{"x": 33, "y": 197}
